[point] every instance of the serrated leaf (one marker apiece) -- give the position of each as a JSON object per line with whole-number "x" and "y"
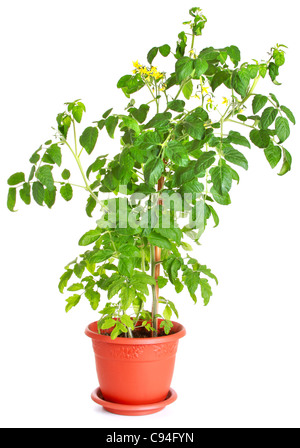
{"x": 221, "y": 178}
{"x": 234, "y": 156}
{"x": 153, "y": 171}
{"x": 289, "y": 114}
{"x": 282, "y": 128}
{"x": 258, "y": 103}
{"x": 55, "y": 153}
{"x": 66, "y": 192}
{"x": 152, "y": 54}
{"x": 273, "y": 154}
{"x": 260, "y": 138}
{"x": 25, "y": 193}
{"x": 16, "y": 179}
{"x": 206, "y": 291}
{"x": 44, "y": 175}
{"x": 90, "y": 237}
{"x": 268, "y": 117}
{"x": 89, "y": 138}
{"x": 72, "y": 302}
{"x": 64, "y": 280}
{"x": 12, "y": 199}
{"x": 38, "y": 193}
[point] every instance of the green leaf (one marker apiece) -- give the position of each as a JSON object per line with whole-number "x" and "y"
{"x": 191, "y": 280}
{"x": 176, "y": 152}
{"x": 273, "y": 72}
{"x": 152, "y": 54}
{"x": 89, "y": 138}
{"x": 126, "y": 320}
{"x": 25, "y": 193}
{"x": 101, "y": 256}
{"x": 130, "y": 251}
{"x": 205, "y": 161}
{"x": 79, "y": 269}
{"x": 32, "y": 173}
{"x": 141, "y": 113}
{"x": 273, "y": 154}
{"x": 16, "y": 179}
{"x": 131, "y": 123}
{"x": 50, "y": 197}
{"x": 176, "y": 105}
{"x": 279, "y": 57}
{"x": 77, "y": 113}
{"x": 167, "y": 313}
{"x": 287, "y": 163}
{"x": 174, "y": 234}
{"x": 187, "y": 89}
{"x": 200, "y": 66}
{"x": 221, "y": 178}
{"x": 234, "y": 54}
{"x": 107, "y": 113}
{"x": 268, "y": 117}
{"x": 44, "y": 175}
{"x": 234, "y": 156}
{"x": 158, "y": 240}
{"x": 238, "y": 139}
{"x": 282, "y": 128}
{"x": 164, "y": 50}
{"x": 184, "y": 68}
{"x": 261, "y": 138}
{"x": 66, "y": 192}
{"x": 206, "y": 271}
{"x": 159, "y": 120}
{"x": 219, "y": 79}
{"x": 162, "y": 282}
{"x": 126, "y": 266}
{"x": 194, "y": 127}
{"x": 76, "y": 287}
{"x": 240, "y": 81}
{"x": 93, "y": 297}
{"x": 142, "y": 277}
{"x": 38, "y": 193}
{"x": 90, "y": 206}
{"x": 12, "y": 199}
{"x": 153, "y": 171}
{"x": 215, "y": 216}
{"x": 72, "y": 301}
{"x": 55, "y": 153}
{"x": 108, "y": 323}
{"x": 90, "y": 237}
{"x": 206, "y": 291}
{"x": 66, "y": 174}
{"x": 173, "y": 271}
{"x": 64, "y": 280}
{"x": 289, "y": 114}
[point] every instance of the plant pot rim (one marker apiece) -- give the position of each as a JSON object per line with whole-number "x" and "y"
{"x": 92, "y": 332}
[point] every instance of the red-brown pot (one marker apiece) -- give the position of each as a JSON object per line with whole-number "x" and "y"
{"x": 135, "y": 371}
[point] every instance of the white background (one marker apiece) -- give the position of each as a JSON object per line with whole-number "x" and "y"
{"x": 239, "y": 364}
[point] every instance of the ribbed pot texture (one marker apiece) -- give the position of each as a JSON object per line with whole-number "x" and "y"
{"x": 135, "y": 371}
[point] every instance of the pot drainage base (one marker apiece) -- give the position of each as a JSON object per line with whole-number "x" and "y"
{"x": 139, "y": 409}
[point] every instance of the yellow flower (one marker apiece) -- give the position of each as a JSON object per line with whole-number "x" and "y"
{"x": 209, "y": 100}
{"x": 204, "y": 89}
{"x": 196, "y": 96}
{"x": 136, "y": 64}
{"x": 225, "y": 100}
{"x": 241, "y": 111}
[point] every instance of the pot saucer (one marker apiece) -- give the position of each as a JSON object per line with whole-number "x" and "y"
{"x": 126, "y": 409}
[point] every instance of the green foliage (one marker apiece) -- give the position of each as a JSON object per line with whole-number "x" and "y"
{"x": 176, "y": 161}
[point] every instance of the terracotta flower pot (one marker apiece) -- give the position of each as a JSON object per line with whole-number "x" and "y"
{"x": 135, "y": 371}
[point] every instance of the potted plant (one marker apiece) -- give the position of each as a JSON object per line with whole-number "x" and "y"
{"x": 177, "y": 164}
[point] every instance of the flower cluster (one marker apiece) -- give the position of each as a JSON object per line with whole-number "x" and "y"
{"x": 148, "y": 73}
